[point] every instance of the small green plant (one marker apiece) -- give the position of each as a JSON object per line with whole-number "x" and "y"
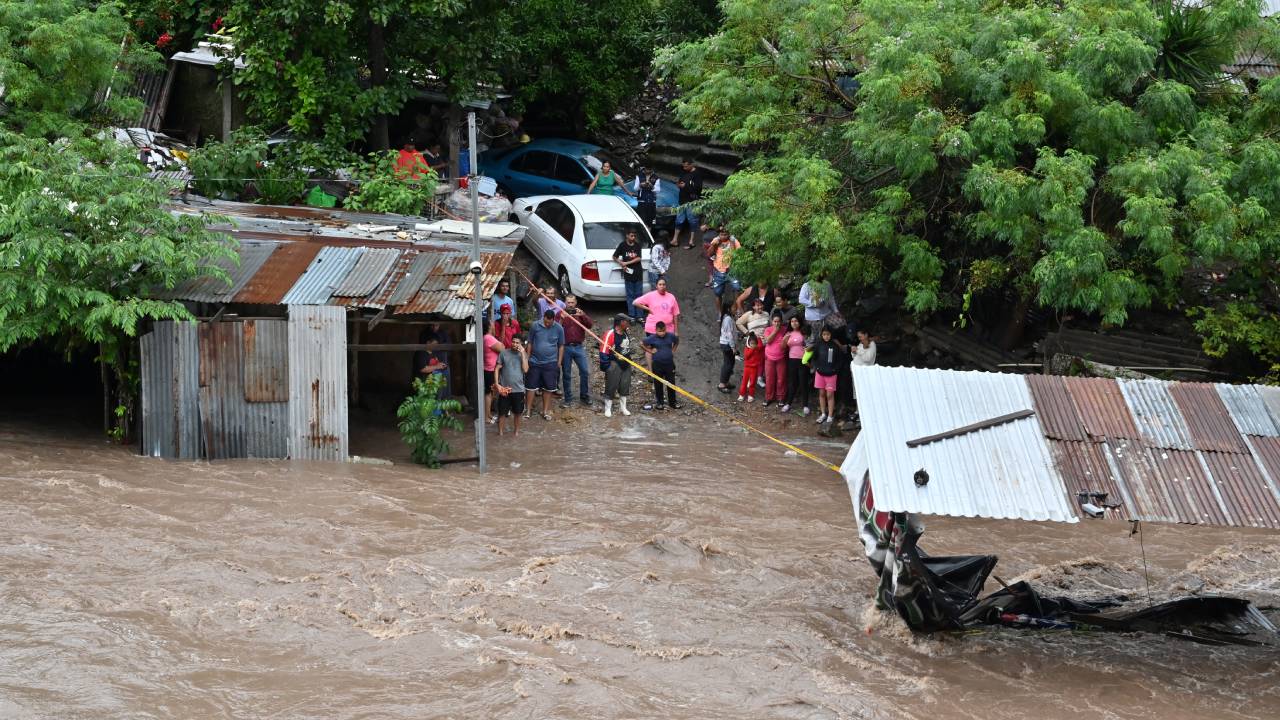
{"x": 423, "y": 415}
{"x": 384, "y": 189}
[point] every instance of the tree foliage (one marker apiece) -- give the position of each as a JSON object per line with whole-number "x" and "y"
{"x": 1083, "y": 155}
{"x": 384, "y": 188}
{"x": 86, "y": 242}
{"x": 64, "y": 63}
{"x": 424, "y": 416}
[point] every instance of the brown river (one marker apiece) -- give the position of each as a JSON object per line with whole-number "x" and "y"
{"x": 644, "y": 568}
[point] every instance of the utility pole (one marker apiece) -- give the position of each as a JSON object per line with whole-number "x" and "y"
{"x": 477, "y": 274}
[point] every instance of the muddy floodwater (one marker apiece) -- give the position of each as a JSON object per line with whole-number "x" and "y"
{"x": 645, "y": 568}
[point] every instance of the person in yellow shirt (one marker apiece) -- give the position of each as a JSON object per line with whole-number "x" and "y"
{"x": 721, "y": 252}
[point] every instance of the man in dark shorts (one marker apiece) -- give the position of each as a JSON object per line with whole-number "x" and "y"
{"x": 661, "y": 346}
{"x": 690, "y": 184}
{"x": 546, "y": 353}
{"x": 513, "y": 363}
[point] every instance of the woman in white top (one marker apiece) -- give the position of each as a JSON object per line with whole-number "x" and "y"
{"x": 864, "y": 353}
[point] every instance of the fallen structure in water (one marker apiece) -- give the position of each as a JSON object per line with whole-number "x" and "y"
{"x": 1050, "y": 448}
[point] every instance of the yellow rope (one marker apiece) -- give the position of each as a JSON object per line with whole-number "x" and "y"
{"x": 686, "y": 393}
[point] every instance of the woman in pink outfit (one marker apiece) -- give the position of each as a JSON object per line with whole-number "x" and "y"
{"x": 775, "y": 361}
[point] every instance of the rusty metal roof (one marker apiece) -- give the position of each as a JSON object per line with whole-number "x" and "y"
{"x": 316, "y": 285}
{"x": 1058, "y": 416}
{"x": 1101, "y": 406}
{"x": 358, "y": 260}
{"x": 1164, "y": 451}
{"x": 1207, "y": 417}
{"x": 278, "y": 274}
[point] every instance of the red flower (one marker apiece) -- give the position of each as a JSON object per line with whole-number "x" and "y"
{"x": 217, "y": 25}
{"x": 163, "y": 40}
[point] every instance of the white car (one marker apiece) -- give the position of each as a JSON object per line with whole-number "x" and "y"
{"x": 574, "y": 236}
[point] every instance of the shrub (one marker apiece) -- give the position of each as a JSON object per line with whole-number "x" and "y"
{"x": 383, "y": 190}
{"x": 423, "y": 415}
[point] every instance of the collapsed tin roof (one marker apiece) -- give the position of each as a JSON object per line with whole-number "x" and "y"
{"x": 1026, "y": 447}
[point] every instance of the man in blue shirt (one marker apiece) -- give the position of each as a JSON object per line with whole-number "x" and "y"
{"x": 661, "y": 346}
{"x": 546, "y": 345}
{"x": 502, "y": 296}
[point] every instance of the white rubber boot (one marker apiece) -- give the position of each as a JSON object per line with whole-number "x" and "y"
{"x": 608, "y": 408}
{"x": 622, "y": 405}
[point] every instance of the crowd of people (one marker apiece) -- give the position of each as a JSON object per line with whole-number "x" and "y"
{"x": 799, "y": 356}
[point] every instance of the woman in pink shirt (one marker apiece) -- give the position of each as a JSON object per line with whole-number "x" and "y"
{"x": 775, "y": 361}
{"x": 796, "y": 373}
{"x": 492, "y": 346}
{"x": 661, "y": 306}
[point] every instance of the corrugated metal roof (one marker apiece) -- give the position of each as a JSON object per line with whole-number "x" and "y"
{"x": 377, "y": 299}
{"x": 1006, "y": 471}
{"x": 1243, "y": 490}
{"x": 1084, "y": 467}
{"x": 1102, "y": 407}
{"x": 413, "y": 278}
{"x": 1248, "y": 411}
{"x": 1155, "y": 414}
{"x": 1165, "y": 451}
{"x": 278, "y": 273}
{"x": 323, "y": 276}
{"x": 207, "y": 288}
{"x": 1271, "y": 398}
{"x": 1185, "y": 480}
{"x": 1208, "y": 421}
{"x": 317, "y": 382}
{"x": 369, "y": 271}
{"x": 1056, "y": 411}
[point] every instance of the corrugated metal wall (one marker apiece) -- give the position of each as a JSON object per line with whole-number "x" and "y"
{"x": 170, "y": 391}
{"x": 222, "y": 389}
{"x": 317, "y": 382}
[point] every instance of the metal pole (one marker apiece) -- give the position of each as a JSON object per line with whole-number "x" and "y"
{"x": 481, "y": 420}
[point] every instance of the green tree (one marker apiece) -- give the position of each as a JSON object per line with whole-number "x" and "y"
{"x": 335, "y": 70}
{"x": 64, "y": 63}
{"x": 85, "y": 244}
{"x": 1080, "y": 155}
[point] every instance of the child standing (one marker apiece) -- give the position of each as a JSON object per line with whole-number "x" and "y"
{"x": 775, "y": 362}
{"x": 827, "y": 353}
{"x": 661, "y": 347}
{"x": 796, "y": 373}
{"x": 728, "y": 349}
{"x": 512, "y": 364}
{"x": 752, "y": 358}
{"x": 659, "y": 259}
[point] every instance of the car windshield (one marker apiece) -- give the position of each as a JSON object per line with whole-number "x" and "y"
{"x": 597, "y": 160}
{"x": 607, "y": 235}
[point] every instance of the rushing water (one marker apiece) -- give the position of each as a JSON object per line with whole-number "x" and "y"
{"x": 641, "y": 569}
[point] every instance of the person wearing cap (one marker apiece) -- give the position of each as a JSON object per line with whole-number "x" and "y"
{"x": 617, "y": 374}
{"x": 507, "y": 326}
{"x": 546, "y": 344}
{"x": 646, "y": 187}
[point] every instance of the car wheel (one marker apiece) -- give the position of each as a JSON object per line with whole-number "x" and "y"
{"x": 565, "y": 289}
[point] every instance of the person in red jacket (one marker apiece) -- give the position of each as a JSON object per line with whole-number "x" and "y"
{"x": 752, "y": 359}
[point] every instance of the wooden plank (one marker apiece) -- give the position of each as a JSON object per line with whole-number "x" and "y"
{"x": 972, "y": 427}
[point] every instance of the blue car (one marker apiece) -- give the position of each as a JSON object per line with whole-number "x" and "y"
{"x": 551, "y": 166}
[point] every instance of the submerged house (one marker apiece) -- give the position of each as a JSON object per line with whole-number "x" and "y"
{"x": 273, "y": 363}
